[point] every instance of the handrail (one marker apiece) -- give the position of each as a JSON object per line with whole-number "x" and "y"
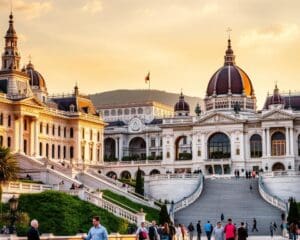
{"x": 186, "y": 201}
{"x": 21, "y": 187}
{"x": 273, "y": 200}
{"x": 281, "y": 173}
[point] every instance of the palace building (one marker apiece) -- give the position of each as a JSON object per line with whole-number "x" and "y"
{"x": 64, "y": 128}
{"x": 228, "y": 135}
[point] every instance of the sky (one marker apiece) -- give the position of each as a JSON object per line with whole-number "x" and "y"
{"x": 112, "y": 44}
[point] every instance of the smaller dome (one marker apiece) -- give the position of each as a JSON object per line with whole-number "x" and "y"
{"x": 276, "y": 98}
{"x": 36, "y": 79}
{"x": 181, "y": 105}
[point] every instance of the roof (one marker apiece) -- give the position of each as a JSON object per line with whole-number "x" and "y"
{"x": 135, "y": 104}
{"x": 289, "y": 101}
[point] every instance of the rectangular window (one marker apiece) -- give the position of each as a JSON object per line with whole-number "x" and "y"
{"x": 65, "y": 152}
{"x": 152, "y": 142}
{"x": 1, "y": 141}
{"x": 9, "y": 121}
{"x": 58, "y": 151}
{"x": 25, "y": 146}
{"x": 82, "y": 152}
{"x": 83, "y": 133}
{"x": 199, "y": 153}
{"x": 71, "y": 152}
{"x": 65, "y": 132}
{"x": 41, "y": 149}
{"x": 41, "y": 127}
{"x": 91, "y": 153}
{"x": 1, "y": 119}
{"x": 53, "y": 130}
{"x": 91, "y": 135}
{"x": 168, "y": 154}
{"x": 153, "y": 154}
{"x": 25, "y": 125}
{"x": 237, "y": 151}
{"x": 98, "y": 136}
{"x": 8, "y": 142}
{"x": 98, "y": 154}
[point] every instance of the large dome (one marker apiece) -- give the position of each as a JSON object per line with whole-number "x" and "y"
{"x": 229, "y": 79}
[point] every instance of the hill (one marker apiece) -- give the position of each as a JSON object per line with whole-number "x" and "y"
{"x": 130, "y": 96}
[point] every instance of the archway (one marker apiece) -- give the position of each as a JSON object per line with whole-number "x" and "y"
{"x": 183, "y": 150}
{"x": 218, "y": 146}
{"x": 137, "y": 148}
{"x": 109, "y": 149}
{"x": 278, "y": 144}
{"x": 126, "y": 175}
{"x": 154, "y": 171}
{"x": 112, "y": 175}
{"x": 255, "y": 146}
{"x": 278, "y": 167}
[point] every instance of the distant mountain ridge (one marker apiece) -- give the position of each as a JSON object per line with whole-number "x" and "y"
{"x": 123, "y": 96}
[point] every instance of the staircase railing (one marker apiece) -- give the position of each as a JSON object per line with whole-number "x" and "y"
{"x": 186, "y": 201}
{"x": 273, "y": 200}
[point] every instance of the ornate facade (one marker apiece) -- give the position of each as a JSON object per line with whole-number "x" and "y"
{"x": 63, "y": 128}
{"x": 228, "y": 135}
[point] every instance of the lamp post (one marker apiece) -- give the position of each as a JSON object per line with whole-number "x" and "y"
{"x": 13, "y": 205}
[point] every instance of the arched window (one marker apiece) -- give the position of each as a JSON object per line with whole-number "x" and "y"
{"x": 219, "y": 146}
{"x": 9, "y": 121}
{"x": 113, "y": 112}
{"x": 71, "y": 152}
{"x": 255, "y": 146}
{"x": 41, "y": 127}
{"x": 120, "y": 112}
{"x": 278, "y": 144}
{"x": 53, "y": 151}
{"x": 71, "y": 133}
{"x": 41, "y": 149}
{"x": 140, "y": 111}
{"x": 126, "y": 111}
{"x": 133, "y": 111}
{"x": 106, "y": 113}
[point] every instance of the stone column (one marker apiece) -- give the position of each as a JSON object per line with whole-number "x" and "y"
{"x": 116, "y": 147}
{"x": 36, "y": 138}
{"x": 264, "y": 145}
{"x": 31, "y": 138}
{"x": 287, "y": 140}
{"x": 21, "y": 131}
{"x": 147, "y": 145}
{"x": 268, "y": 142}
{"x": 292, "y": 141}
{"x": 120, "y": 148}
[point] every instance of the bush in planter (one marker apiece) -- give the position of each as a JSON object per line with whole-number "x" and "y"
{"x": 126, "y": 158}
{"x": 185, "y": 156}
{"x": 151, "y": 158}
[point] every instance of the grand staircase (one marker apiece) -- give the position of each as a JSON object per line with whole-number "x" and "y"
{"x": 235, "y": 200}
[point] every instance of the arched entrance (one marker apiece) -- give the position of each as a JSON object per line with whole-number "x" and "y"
{"x": 112, "y": 175}
{"x": 278, "y": 167}
{"x": 109, "y": 149}
{"x": 218, "y": 146}
{"x": 183, "y": 149}
{"x": 126, "y": 175}
{"x": 154, "y": 171}
{"x": 137, "y": 148}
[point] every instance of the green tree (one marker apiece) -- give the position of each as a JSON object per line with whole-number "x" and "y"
{"x": 9, "y": 168}
{"x": 164, "y": 215}
{"x": 139, "y": 187}
{"x": 293, "y": 215}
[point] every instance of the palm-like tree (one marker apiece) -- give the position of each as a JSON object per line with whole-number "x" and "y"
{"x": 9, "y": 167}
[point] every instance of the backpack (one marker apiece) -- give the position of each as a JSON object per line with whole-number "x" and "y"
{"x": 143, "y": 235}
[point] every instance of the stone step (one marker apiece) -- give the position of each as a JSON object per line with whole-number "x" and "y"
{"x": 235, "y": 200}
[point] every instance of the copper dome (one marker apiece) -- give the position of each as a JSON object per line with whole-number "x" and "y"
{"x": 35, "y": 78}
{"x": 181, "y": 105}
{"x": 229, "y": 79}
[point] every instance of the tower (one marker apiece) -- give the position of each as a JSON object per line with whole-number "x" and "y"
{"x": 11, "y": 57}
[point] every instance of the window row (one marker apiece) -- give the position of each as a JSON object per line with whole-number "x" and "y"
{"x": 91, "y": 133}
{"x": 8, "y": 144}
{"x": 91, "y": 153}
{"x": 57, "y": 152}
{"x": 126, "y": 111}
{"x": 60, "y": 131}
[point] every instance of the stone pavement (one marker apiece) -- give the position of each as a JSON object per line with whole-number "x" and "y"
{"x": 234, "y": 198}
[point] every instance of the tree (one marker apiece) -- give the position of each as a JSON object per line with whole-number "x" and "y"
{"x": 9, "y": 167}
{"x": 164, "y": 215}
{"x": 293, "y": 216}
{"x": 139, "y": 184}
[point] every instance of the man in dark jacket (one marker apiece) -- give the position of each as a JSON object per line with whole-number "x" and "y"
{"x": 242, "y": 232}
{"x": 33, "y": 233}
{"x": 199, "y": 230}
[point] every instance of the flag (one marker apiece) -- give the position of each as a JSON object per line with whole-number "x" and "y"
{"x": 147, "y": 78}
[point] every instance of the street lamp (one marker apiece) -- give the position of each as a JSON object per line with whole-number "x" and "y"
{"x": 13, "y": 205}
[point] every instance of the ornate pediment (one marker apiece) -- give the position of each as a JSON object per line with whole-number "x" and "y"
{"x": 32, "y": 101}
{"x": 277, "y": 115}
{"x": 218, "y": 118}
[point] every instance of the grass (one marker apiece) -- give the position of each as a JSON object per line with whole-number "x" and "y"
{"x": 62, "y": 214}
{"x": 151, "y": 213}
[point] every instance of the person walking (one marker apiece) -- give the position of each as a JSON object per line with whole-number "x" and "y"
{"x": 191, "y": 230}
{"x": 165, "y": 232}
{"x": 218, "y": 232}
{"x": 152, "y": 231}
{"x": 33, "y": 232}
{"x": 254, "y": 227}
{"x": 208, "y": 229}
{"x": 97, "y": 232}
{"x": 230, "y": 230}
{"x": 172, "y": 231}
{"x": 222, "y": 217}
{"x": 199, "y": 230}
{"x": 242, "y": 232}
{"x": 293, "y": 231}
{"x": 271, "y": 228}
{"x": 178, "y": 232}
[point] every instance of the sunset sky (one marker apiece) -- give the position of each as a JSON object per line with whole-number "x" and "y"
{"x": 112, "y": 44}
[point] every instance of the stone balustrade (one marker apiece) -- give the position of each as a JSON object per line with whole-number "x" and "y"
{"x": 22, "y": 187}
{"x": 140, "y": 162}
{"x": 281, "y": 173}
{"x": 273, "y": 200}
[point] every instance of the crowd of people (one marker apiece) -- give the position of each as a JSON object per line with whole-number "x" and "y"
{"x": 221, "y": 231}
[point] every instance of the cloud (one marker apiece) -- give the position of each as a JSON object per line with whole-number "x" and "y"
{"x": 271, "y": 34}
{"x": 93, "y": 6}
{"x": 31, "y": 9}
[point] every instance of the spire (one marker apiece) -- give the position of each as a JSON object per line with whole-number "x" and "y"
{"x": 11, "y": 56}
{"x": 76, "y": 90}
{"x": 276, "y": 89}
{"x": 229, "y": 55}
